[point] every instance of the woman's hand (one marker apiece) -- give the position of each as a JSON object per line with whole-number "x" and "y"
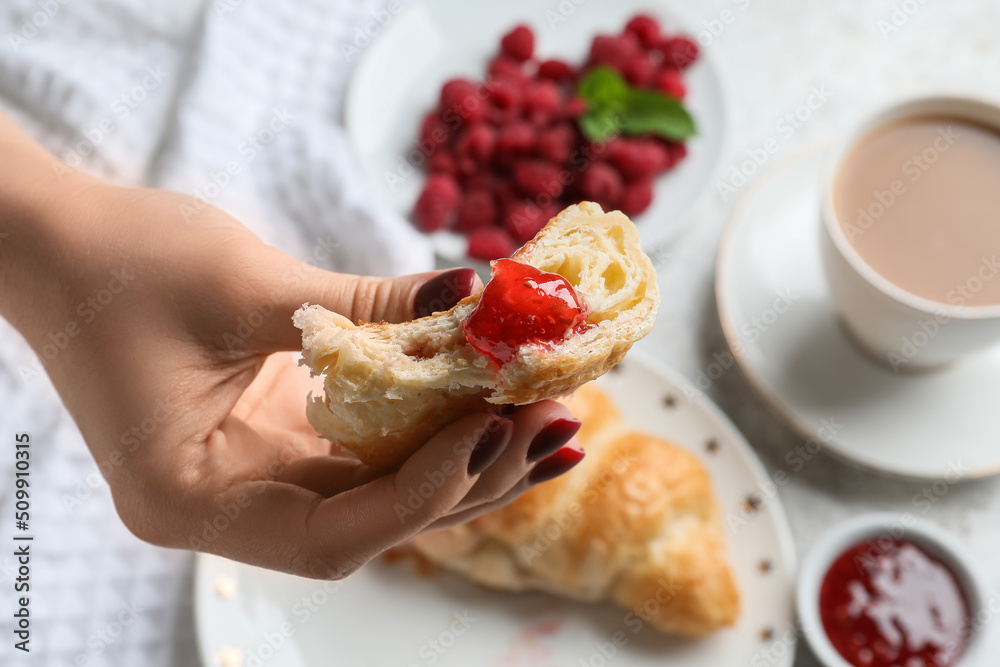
{"x": 166, "y": 334}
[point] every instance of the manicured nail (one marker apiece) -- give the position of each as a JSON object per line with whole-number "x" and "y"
{"x": 490, "y": 445}
{"x": 506, "y": 410}
{"x": 552, "y": 436}
{"x": 556, "y": 464}
{"x": 443, "y": 291}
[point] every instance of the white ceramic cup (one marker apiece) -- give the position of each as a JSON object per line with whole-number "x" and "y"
{"x": 901, "y": 330}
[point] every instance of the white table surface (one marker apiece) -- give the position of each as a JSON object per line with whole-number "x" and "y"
{"x": 774, "y": 53}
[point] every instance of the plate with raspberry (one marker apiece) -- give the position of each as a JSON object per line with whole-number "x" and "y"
{"x": 479, "y": 122}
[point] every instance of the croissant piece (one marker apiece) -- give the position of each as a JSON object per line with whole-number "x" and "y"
{"x": 390, "y": 387}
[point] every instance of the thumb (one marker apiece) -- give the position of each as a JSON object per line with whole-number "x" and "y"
{"x": 368, "y": 299}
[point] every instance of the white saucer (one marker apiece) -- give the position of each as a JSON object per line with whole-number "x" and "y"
{"x": 935, "y": 425}
{"x": 388, "y": 615}
{"x": 399, "y": 75}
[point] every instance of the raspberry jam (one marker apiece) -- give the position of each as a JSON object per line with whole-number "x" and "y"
{"x": 520, "y": 305}
{"x": 886, "y": 602}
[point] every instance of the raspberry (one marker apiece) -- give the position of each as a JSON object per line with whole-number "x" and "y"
{"x": 670, "y": 82}
{"x": 640, "y": 70}
{"x": 679, "y": 51}
{"x": 613, "y": 50}
{"x": 515, "y": 139}
{"x": 433, "y": 132}
{"x": 602, "y": 184}
{"x": 646, "y": 28}
{"x": 574, "y": 107}
{"x": 490, "y": 243}
{"x": 636, "y": 197}
{"x": 455, "y": 91}
{"x": 557, "y": 70}
{"x": 442, "y": 163}
{"x": 506, "y": 94}
{"x": 477, "y": 143}
{"x": 677, "y": 151}
{"x": 556, "y": 143}
{"x": 637, "y": 159}
{"x": 506, "y": 193}
{"x": 674, "y": 152}
{"x": 523, "y": 219}
{"x": 536, "y": 177}
{"x": 460, "y": 95}
{"x": 507, "y": 68}
{"x": 466, "y": 166}
{"x": 662, "y": 155}
{"x": 541, "y": 100}
{"x": 478, "y": 209}
{"x": 437, "y": 204}
{"x": 481, "y": 180}
{"x": 501, "y": 117}
{"x": 519, "y": 43}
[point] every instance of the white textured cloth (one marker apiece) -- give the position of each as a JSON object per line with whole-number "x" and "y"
{"x": 234, "y": 101}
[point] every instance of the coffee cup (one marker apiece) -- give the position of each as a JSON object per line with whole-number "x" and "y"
{"x": 910, "y": 234}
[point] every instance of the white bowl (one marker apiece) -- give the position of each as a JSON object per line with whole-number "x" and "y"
{"x": 399, "y": 76}
{"x": 936, "y": 541}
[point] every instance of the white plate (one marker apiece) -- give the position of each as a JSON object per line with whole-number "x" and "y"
{"x": 934, "y": 425}
{"x": 387, "y": 615}
{"x": 398, "y": 79}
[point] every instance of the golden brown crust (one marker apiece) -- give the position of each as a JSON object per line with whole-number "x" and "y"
{"x": 595, "y": 409}
{"x": 389, "y": 387}
{"x": 636, "y": 522}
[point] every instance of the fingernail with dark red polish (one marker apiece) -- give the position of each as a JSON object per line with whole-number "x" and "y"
{"x": 506, "y": 409}
{"x": 557, "y": 464}
{"x": 443, "y": 291}
{"x": 490, "y": 445}
{"x": 552, "y": 436}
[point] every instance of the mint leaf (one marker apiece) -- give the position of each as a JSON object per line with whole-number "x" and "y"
{"x": 613, "y": 106}
{"x": 649, "y": 112}
{"x": 599, "y": 125}
{"x": 603, "y": 87}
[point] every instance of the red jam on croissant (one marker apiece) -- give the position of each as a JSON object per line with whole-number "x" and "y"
{"x": 519, "y": 305}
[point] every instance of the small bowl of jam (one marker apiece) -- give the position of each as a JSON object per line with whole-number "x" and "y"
{"x": 887, "y": 590}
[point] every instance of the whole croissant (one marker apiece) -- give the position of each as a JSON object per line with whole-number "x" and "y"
{"x": 635, "y": 523}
